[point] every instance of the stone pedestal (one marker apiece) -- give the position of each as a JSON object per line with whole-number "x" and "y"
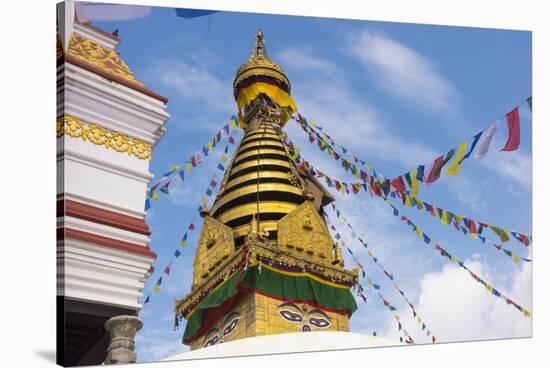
{"x": 121, "y": 346}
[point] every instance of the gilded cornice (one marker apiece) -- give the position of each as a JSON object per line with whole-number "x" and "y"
{"x": 101, "y": 136}
{"x": 103, "y": 58}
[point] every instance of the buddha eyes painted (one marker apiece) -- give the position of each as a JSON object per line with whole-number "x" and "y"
{"x": 215, "y": 336}
{"x": 305, "y": 316}
{"x": 212, "y": 337}
{"x": 231, "y": 323}
{"x": 291, "y": 316}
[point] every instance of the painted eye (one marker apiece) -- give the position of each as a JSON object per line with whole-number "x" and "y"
{"x": 290, "y": 316}
{"x": 319, "y": 322}
{"x": 230, "y": 327}
{"x": 211, "y": 341}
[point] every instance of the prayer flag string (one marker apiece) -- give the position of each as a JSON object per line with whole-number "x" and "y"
{"x": 467, "y": 226}
{"x": 422, "y": 235}
{"x": 381, "y": 186}
{"x": 212, "y": 184}
{"x": 176, "y": 174}
{"x": 376, "y": 260}
{"x": 427, "y": 173}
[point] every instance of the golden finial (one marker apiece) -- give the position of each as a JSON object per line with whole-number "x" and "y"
{"x": 259, "y": 51}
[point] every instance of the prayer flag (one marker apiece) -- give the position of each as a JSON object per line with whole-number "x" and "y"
{"x": 433, "y": 174}
{"x": 454, "y": 167}
{"x": 177, "y": 253}
{"x": 512, "y": 119}
{"x": 398, "y": 184}
{"x": 483, "y": 147}
{"x": 147, "y": 204}
{"x": 167, "y": 270}
{"x": 472, "y": 146}
{"x": 156, "y": 196}
{"x": 503, "y": 234}
{"x": 530, "y": 103}
{"x": 146, "y": 300}
{"x": 420, "y": 173}
{"x": 220, "y": 167}
{"x": 156, "y": 289}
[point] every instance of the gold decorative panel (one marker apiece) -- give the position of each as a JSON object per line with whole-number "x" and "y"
{"x": 101, "y": 136}
{"x": 304, "y": 233}
{"x": 215, "y": 246}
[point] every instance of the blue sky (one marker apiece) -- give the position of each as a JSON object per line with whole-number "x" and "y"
{"x": 397, "y": 95}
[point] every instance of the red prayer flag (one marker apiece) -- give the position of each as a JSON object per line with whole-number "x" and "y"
{"x": 167, "y": 270}
{"x": 472, "y": 226}
{"x": 191, "y": 226}
{"x": 398, "y": 184}
{"x": 435, "y": 171}
{"x": 231, "y": 140}
{"x": 512, "y": 119}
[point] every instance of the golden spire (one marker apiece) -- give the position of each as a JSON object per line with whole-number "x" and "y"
{"x": 260, "y": 67}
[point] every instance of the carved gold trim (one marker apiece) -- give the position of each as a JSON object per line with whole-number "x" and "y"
{"x": 101, "y": 136}
{"x": 264, "y": 225}
{"x": 103, "y": 58}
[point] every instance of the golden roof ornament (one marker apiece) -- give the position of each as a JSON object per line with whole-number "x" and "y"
{"x": 259, "y": 67}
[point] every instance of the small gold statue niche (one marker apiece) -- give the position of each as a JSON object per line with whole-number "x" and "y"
{"x": 337, "y": 260}
{"x": 290, "y": 242}
{"x": 210, "y": 238}
{"x": 308, "y": 224}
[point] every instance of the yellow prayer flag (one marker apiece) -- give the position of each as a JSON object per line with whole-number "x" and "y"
{"x": 418, "y": 232}
{"x": 156, "y": 289}
{"x": 526, "y": 313}
{"x": 396, "y": 317}
{"x": 459, "y": 218}
{"x": 516, "y": 258}
{"x": 156, "y": 196}
{"x": 414, "y": 183}
{"x": 175, "y": 168}
{"x": 224, "y": 158}
{"x": 418, "y": 319}
{"x": 233, "y": 124}
{"x": 488, "y": 287}
{"x": 454, "y": 167}
{"x": 369, "y": 281}
{"x": 312, "y": 123}
{"x": 205, "y": 200}
{"x": 188, "y": 167}
{"x": 454, "y": 259}
{"x": 209, "y": 145}
{"x": 503, "y": 234}
{"x": 407, "y": 200}
{"x": 445, "y": 217}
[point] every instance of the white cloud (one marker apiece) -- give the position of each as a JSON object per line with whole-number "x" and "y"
{"x": 403, "y": 72}
{"x": 515, "y": 166}
{"x": 456, "y": 308}
{"x": 360, "y": 125}
{"x": 203, "y": 97}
